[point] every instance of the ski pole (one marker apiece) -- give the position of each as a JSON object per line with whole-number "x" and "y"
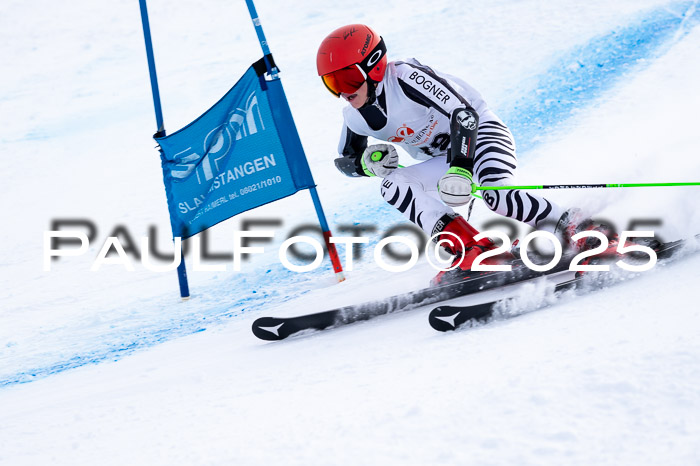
{"x": 476, "y": 188}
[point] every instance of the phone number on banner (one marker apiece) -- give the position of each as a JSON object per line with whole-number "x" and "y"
{"x": 260, "y": 185}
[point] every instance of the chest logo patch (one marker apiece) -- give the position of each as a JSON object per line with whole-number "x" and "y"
{"x": 402, "y": 133}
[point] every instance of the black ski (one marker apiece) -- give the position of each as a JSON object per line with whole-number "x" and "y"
{"x": 279, "y": 328}
{"x": 446, "y": 318}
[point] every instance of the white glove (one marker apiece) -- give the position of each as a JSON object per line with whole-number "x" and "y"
{"x": 380, "y": 160}
{"x": 455, "y": 187}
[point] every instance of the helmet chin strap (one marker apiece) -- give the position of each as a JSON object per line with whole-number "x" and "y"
{"x": 371, "y": 92}
{"x": 372, "y": 111}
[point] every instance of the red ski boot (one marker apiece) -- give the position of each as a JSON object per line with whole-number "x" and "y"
{"x": 465, "y": 252}
{"x": 573, "y": 222}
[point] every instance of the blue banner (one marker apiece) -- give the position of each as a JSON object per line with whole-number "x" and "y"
{"x": 242, "y": 153}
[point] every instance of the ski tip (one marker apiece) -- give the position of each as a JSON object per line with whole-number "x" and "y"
{"x": 446, "y": 318}
{"x": 269, "y": 329}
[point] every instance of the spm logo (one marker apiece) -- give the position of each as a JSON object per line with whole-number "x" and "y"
{"x": 218, "y": 143}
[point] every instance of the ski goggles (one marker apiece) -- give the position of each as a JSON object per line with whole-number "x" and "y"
{"x": 349, "y": 79}
{"x": 345, "y": 80}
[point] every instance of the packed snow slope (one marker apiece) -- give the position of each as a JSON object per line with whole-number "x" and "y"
{"x": 110, "y": 367}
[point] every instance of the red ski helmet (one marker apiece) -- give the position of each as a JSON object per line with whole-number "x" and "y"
{"x": 349, "y": 56}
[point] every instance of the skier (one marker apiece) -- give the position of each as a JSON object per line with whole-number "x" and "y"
{"x": 440, "y": 120}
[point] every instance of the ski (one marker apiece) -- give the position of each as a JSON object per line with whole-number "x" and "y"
{"x": 447, "y": 318}
{"x": 279, "y": 328}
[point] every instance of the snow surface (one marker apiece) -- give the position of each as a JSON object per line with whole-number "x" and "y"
{"x": 109, "y": 367}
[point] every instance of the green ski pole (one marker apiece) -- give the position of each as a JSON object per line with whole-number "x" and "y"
{"x": 476, "y": 188}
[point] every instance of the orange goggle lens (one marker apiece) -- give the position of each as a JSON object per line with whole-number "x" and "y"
{"x": 345, "y": 80}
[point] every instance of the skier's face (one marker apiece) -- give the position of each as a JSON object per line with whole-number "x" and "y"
{"x": 358, "y": 98}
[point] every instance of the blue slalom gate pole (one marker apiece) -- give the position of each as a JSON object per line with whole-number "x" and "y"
{"x": 151, "y": 66}
{"x": 261, "y": 35}
{"x": 181, "y": 270}
{"x": 332, "y": 252}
